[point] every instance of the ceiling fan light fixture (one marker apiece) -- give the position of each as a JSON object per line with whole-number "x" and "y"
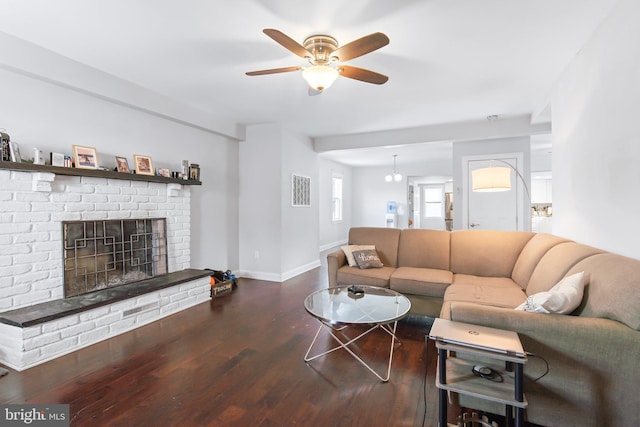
{"x": 320, "y": 77}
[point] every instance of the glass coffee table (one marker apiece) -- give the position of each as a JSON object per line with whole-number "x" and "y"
{"x": 343, "y": 306}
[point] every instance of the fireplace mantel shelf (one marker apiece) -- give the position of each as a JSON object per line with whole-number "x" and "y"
{"x": 57, "y": 170}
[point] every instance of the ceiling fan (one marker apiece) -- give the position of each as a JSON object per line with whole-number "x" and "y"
{"x": 327, "y": 58}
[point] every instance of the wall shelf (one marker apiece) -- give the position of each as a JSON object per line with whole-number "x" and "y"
{"x": 30, "y": 167}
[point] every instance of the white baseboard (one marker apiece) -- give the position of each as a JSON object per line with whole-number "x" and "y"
{"x": 328, "y": 246}
{"x": 275, "y": 277}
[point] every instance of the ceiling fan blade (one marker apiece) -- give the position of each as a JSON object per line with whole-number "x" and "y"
{"x": 273, "y": 71}
{"x": 361, "y": 46}
{"x": 362, "y": 75}
{"x": 287, "y": 42}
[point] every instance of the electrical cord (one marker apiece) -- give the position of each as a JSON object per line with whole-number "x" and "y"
{"x": 545, "y": 362}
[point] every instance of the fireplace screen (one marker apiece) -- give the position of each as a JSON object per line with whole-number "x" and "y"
{"x": 105, "y": 254}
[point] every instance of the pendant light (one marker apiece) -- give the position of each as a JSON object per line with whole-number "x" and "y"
{"x": 395, "y": 176}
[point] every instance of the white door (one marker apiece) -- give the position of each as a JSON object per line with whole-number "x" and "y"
{"x": 432, "y": 206}
{"x": 502, "y": 210}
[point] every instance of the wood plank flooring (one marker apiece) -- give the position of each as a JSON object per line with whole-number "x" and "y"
{"x": 237, "y": 361}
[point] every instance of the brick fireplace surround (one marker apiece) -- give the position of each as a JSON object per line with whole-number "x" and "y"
{"x": 33, "y": 206}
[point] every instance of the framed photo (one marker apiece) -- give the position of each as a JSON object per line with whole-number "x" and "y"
{"x": 85, "y": 157}
{"x": 15, "y": 152}
{"x": 194, "y": 171}
{"x": 143, "y": 164}
{"x": 57, "y": 159}
{"x": 122, "y": 165}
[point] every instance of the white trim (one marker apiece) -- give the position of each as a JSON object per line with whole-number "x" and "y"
{"x": 275, "y": 277}
{"x": 328, "y": 246}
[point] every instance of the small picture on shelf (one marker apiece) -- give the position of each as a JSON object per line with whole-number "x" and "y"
{"x": 194, "y": 171}
{"x": 15, "y": 152}
{"x": 164, "y": 172}
{"x": 85, "y": 157}
{"x": 122, "y": 164}
{"x": 143, "y": 164}
{"x": 57, "y": 159}
{"x": 4, "y": 146}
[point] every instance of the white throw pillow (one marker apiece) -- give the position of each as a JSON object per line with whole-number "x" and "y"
{"x": 563, "y": 298}
{"x": 350, "y": 249}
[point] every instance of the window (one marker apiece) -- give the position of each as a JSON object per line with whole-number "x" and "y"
{"x": 433, "y": 205}
{"x": 336, "y": 197}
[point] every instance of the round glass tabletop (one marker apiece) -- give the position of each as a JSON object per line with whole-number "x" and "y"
{"x": 373, "y": 306}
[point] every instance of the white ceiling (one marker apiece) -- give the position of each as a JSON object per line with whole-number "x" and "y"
{"x": 448, "y": 61}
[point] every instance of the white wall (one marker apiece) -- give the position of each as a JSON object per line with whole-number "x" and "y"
{"x": 371, "y": 193}
{"x": 596, "y": 138}
{"x": 300, "y": 225}
{"x": 52, "y": 117}
{"x": 276, "y": 240}
{"x": 334, "y": 233}
{"x": 259, "y": 201}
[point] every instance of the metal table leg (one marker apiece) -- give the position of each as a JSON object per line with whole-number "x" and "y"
{"x": 345, "y": 345}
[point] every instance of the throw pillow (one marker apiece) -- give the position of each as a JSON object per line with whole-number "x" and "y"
{"x": 563, "y": 298}
{"x": 348, "y": 251}
{"x": 367, "y": 258}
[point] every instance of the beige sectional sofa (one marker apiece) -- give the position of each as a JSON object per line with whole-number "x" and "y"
{"x": 481, "y": 276}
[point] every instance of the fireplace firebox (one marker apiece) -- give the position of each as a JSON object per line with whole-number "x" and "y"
{"x": 106, "y": 254}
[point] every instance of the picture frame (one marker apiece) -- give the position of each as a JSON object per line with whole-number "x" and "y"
{"x": 144, "y": 165}
{"x": 15, "y": 152}
{"x": 300, "y": 191}
{"x": 85, "y": 157}
{"x": 122, "y": 165}
{"x": 194, "y": 171}
{"x": 57, "y": 159}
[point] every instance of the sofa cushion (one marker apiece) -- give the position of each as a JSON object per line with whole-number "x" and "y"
{"x": 530, "y": 256}
{"x": 494, "y": 291}
{"x": 421, "y": 281}
{"x": 563, "y": 298}
{"x": 384, "y": 239}
{"x": 613, "y": 290}
{"x": 350, "y": 249}
{"x": 486, "y": 253}
{"x": 367, "y": 258}
{"x": 424, "y": 249}
{"x": 348, "y": 276}
{"x": 555, "y": 264}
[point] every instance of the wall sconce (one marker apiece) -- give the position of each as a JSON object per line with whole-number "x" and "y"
{"x": 395, "y": 176}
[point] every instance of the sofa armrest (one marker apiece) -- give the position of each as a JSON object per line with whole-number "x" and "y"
{"x": 592, "y": 362}
{"x": 335, "y": 260}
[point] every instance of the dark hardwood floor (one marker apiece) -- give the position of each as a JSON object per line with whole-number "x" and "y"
{"x": 236, "y": 360}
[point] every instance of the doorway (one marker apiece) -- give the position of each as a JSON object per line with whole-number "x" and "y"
{"x": 430, "y": 202}
{"x": 504, "y": 210}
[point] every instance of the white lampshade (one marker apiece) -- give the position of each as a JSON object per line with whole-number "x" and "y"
{"x": 320, "y": 77}
{"x": 397, "y": 177}
{"x": 388, "y": 178}
{"x": 491, "y": 179}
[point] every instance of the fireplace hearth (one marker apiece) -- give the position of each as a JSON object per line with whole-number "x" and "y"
{"x": 105, "y": 254}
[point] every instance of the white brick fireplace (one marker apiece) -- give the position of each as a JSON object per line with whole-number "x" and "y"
{"x": 32, "y": 208}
